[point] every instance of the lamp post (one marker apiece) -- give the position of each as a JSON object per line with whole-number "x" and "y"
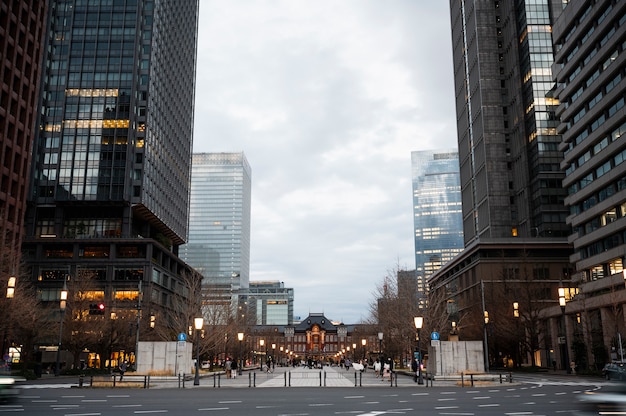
{"x": 364, "y": 343}
{"x": 380, "y": 344}
{"x": 419, "y": 322}
{"x": 240, "y": 338}
{"x": 273, "y": 354}
{"x": 198, "y": 324}
{"x": 562, "y": 303}
{"x": 354, "y": 352}
{"x": 262, "y": 343}
{"x": 518, "y": 355}
{"x": 62, "y": 306}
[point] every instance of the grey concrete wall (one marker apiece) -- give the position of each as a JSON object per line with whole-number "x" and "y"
{"x": 171, "y": 357}
{"x": 455, "y": 357}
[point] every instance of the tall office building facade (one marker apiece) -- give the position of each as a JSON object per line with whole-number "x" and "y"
{"x": 22, "y": 31}
{"x": 436, "y": 211}
{"x": 219, "y": 228}
{"x": 590, "y": 75}
{"x": 109, "y": 194}
{"x": 506, "y": 126}
{"x": 514, "y": 215}
{"x": 270, "y": 302}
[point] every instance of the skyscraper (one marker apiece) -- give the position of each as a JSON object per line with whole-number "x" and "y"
{"x": 590, "y": 75}
{"x": 219, "y": 228}
{"x": 109, "y": 195}
{"x": 514, "y": 215}
{"x": 436, "y": 211}
{"x": 506, "y": 126}
{"x": 22, "y": 30}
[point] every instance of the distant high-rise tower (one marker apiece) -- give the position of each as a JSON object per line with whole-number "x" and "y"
{"x": 436, "y": 211}
{"x": 109, "y": 194}
{"x": 506, "y": 125}
{"x": 219, "y": 226}
{"x": 22, "y": 30}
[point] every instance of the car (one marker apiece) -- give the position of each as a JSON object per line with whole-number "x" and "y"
{"x": 610, "y": 399}
{"x": 614, "y": 371}
{"x": 8, "y": 390}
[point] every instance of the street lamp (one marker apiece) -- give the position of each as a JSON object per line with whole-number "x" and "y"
{"x": 273, "y": 354}
{"x": 62, "y": 306}
{"x": 562, "y": 303}
{"x": 419, "y": 322}
{"x": 380, "y": 344}
{"x": 262, "y": 343}
{"x": 198, "y": 324}
{"x": 240, "y": 338}
{"x": 364, "y": 343}
{"x": 354, "y": 351}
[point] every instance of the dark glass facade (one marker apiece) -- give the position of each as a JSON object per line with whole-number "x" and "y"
{"x": 111, "y": 164}
{"x": 508, "y": 143}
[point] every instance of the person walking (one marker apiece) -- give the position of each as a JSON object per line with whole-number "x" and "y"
{"x": 233, "y": 368}
{"x": 377, "y": 368}
{"x": 123, "y": 368}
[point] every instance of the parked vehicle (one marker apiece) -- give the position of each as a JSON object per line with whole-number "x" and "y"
{"x": 614, "y": 371}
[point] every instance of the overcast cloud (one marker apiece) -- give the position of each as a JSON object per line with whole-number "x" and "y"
{"x": 327, "y": 99}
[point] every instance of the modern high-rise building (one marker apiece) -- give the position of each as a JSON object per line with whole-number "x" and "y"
{"x": 506, "y": 126}
{"x": 514, "y": 216}
{"x": 270, "y": 302}
{"x": 436, "y": 211}
{"x": 109, "y": 195}
{"x": 219, "y": 229}
{"x": 22, "y": 31}
{"x": 590, "y": 75}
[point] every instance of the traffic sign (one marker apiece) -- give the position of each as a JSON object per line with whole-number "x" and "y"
{"x": 182, "y": 337}
{"x": 434, "y": 336}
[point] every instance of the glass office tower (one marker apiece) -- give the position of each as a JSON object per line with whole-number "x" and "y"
{"x": 506, "y": 128}
{"x": 219, "y": 228}
{"x": 436, "y": 211}
{"x": 109, "y": 194}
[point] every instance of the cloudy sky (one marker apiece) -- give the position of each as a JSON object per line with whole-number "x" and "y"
{"x": 327, "y": 99}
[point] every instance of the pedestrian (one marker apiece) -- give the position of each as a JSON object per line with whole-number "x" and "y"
{"x": 414, "y": 368}
{"x": 377, "y": 366}
{"x": 123, "y": 367}
{"x": 227, "y": 367}
{"x": 572, "y": 366}
{"x": 386, "y": 371}
{"x": 233, "y": 368}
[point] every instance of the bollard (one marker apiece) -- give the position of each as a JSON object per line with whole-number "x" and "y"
{"x": 355, "y": 379}
{"x": 80, "y": 380}
{"x": 146, "y": 382}
{"x": 178, "y": 377}
{"x": 500, "y": 378}
{"x": 360, "y": 379}
{"x": 290, "y": 379}
{"x": 113, "y": 380}
{"x": 462, "y": 381}
{"x": 472, "y": 380}
{"x": 510, "y": 377}
{"x": 320, "y": 379}
{"x": 285, "y": 376}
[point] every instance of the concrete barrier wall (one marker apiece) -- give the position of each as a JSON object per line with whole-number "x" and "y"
{"x": 455, "y": 357}
{"x": 169, "y": 357}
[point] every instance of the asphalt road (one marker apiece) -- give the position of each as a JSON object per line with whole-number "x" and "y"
{"x": 531, "y": 397}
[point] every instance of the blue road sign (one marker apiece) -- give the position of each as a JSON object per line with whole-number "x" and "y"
{"x": 182, "y": 336}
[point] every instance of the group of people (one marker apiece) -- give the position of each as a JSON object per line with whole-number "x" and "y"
{"x": 230, "y": 368}
{"x": 383, "y": 369}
